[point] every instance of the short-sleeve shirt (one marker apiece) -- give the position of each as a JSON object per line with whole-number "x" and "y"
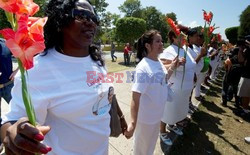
{"x": 170, "y": 53}
{"x": 150, "y": 81}
{"x": 68, "y": 95}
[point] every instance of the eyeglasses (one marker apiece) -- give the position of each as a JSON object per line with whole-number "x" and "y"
{"x": 83, "y": 15}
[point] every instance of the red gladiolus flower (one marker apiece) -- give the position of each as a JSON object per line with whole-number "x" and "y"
{"x": 207, "y": 17}
{"x": 27, "y": 7}
{"x": 173, "y": 26}
{"x": 9, "y": 5}
{"x": 210, "y": 30}
{"x": 27, "y": 41}
{"x": 219, "y": 37}
{"x": 210, "y": 16}
{"x": 19, "y": 6}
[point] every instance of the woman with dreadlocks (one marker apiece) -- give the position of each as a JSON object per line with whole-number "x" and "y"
{"x": 70, "y": 101}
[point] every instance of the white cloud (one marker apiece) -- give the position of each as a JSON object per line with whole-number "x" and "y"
{"x": 180, "y": 22}
{"x": 193, "y": 24}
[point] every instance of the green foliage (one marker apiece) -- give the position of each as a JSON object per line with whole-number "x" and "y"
{"x": 100, "y": 6}
{"x": 172, "y": 16}
{"x": 42, "y": 4}
{"x": 130, "y": 6}
{"x": 155, "y": 20}
{"x": 129, "y": 29}
{"x": 3, "y": 20}
{"x": 232, "y": 34}
{"x": 118, "y": 48}
{"x": 244, "y": 28}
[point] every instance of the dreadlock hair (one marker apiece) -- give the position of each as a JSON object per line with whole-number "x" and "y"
{"x": 59, "y": 13}
{"x": 147, "y": 37}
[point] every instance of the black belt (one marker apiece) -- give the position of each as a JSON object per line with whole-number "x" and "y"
{"x": 5, "y": 84}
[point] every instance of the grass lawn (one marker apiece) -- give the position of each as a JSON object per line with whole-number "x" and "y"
{"x": 214, "y": 129}
{"x": 117, "y": 66}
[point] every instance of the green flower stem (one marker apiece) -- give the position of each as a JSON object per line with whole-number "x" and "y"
{"x": 178, "y": 51}
{"x": 11, "y": 20}
{"x": 26, "y": 97}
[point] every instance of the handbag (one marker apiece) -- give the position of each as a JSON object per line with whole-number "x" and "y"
{"x": 115, "y": 124}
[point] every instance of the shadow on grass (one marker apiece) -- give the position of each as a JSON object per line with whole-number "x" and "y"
{"x": 211, "y": 106}
{"x": 238, "y": 112}
{"x": 214, "y": 91}
{"x": 195, "y": 140}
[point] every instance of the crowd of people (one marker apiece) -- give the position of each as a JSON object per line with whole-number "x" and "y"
{"x": 73, "y": 114}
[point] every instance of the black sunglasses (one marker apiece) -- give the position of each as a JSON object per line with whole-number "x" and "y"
{"x": 84, "y": 14}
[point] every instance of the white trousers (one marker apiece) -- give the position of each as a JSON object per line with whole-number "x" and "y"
{"x": 200, "y": 79}
{"x": 214, "y": 69}
{"x": 145, "y": 138}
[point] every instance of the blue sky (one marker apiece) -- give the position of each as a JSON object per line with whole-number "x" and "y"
{"x": 189, "y": 12}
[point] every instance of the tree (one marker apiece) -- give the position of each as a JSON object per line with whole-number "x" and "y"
{"x": 115, "y": 17}
{"x": 232, "y": 34}
{"x": 172, "y": 16}
{"x": 128, "y": 29}
{"x": 41, "y": 4}
{"x": 100, "y": 6}
{"x": 155, "y": 20}
{"x": 130, "y": 6}
{"x": 244, "y": 28}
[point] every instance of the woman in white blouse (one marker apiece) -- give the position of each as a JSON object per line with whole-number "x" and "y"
{"x": 177, "y": 110}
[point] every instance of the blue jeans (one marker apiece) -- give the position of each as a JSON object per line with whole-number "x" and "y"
{"x": 5, "y": 92}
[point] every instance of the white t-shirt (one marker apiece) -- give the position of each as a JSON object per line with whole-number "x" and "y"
{"x": 150, "y": 80}
{"x": 194, "y": 53}
{"x": 213, "y": 62}
{"x": 170, "y": 53}
{"x": 66, "y": 98}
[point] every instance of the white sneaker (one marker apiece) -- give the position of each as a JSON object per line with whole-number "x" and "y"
{"x": 165, "y": 139}
{"x": 247, "y": 139}
{"x": 175, "y": 129}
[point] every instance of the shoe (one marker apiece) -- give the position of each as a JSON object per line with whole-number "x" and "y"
{"x": 207, "y": 83}
{"x": 165, "y": 139}
{"x": 192, "y": 107}
{"x": 247, "y": 139}
{"x": 198, "y": 98}
{"x": 244, "y": 112}
{"x": 224, "y": 104}
{"x": 175, "y": 129}
{"x": 190, "y": 111}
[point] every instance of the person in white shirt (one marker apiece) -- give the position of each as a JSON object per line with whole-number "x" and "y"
{"x": 177, "y": 109}
{"x": 149, "y": 93}
{"x": 214, "y": 55}
{"x": 69, "y": 98}
{"x": 197, "y": 52}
